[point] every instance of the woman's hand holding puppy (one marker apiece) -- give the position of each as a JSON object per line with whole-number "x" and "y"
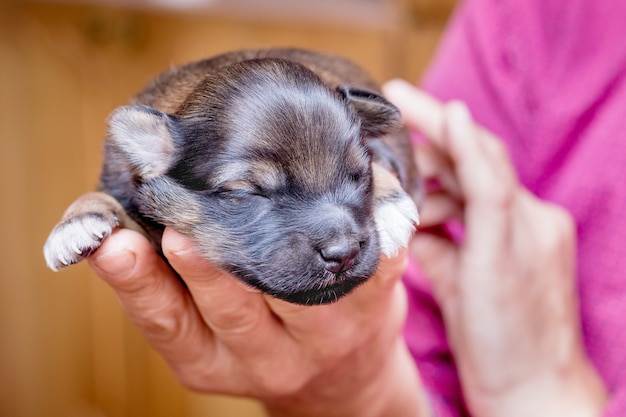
{"x": 343, "y": 359}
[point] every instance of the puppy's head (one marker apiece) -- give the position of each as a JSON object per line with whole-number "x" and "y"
{"x": 268, "y": 169}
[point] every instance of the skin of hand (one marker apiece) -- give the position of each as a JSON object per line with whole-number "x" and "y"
{"x": 506, "y": 286}
{"x": 220, "y": 336}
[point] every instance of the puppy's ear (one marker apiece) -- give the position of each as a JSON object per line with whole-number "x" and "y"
{"x": 378, "y": 116}
{"x": 144, "y": 135}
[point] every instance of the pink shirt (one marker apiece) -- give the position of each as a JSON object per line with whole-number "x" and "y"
{"x": 549, "y": 77}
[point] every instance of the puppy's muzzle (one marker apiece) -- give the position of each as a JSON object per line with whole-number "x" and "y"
{"x": 339, "y": 254}
{"x": 340, "y": 238}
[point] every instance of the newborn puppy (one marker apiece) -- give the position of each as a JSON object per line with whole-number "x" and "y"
{"x": 286, "y": 167}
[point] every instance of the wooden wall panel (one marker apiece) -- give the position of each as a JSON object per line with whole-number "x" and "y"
{"x": 66, "y": 349}
{"x": 45, "y": 347}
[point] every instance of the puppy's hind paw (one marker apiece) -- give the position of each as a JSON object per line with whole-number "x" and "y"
{"x": 74, "y": 239}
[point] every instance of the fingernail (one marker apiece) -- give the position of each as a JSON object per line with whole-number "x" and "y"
{"x": 116, "y": 263}
{"x": 177, "y": 244}
{"x": 396, "y": 88}
{"x": 398, "y": 83}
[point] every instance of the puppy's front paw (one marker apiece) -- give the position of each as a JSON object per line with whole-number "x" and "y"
{"x": 395, "y": 212}
{"x": 396, "y": 219}
{"x": 76, "y": 238}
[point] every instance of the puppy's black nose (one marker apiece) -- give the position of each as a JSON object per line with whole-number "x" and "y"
{"x": 339, "y": 256}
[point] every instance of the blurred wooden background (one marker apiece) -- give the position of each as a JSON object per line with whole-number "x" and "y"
{"x": 65, "y": 347}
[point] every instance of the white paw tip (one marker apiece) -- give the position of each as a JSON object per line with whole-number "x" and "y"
{"x": 396, "y": 221}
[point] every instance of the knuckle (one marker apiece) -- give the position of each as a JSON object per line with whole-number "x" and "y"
{"x": 165, "y": 323}
{"x": 235, "y": 319}
{"x": 282, "y": 384}
{"x": 161, "y": 330}
{"x": 258, "y": 378}
{"x": 559, "y": 228}
{"x": 198, "y": 379}
{"x": 495, "y": 147}
{"x": 504, "y": 197}
{"x": 499, "y": 196}
{"x": 562, "y": 220}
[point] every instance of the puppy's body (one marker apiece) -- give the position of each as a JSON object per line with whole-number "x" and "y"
{"x": 285, "y": 166}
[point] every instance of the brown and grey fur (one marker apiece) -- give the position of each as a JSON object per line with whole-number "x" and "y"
{"x": 287, "y": 167}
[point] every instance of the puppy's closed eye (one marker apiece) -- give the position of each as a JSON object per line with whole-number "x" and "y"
{"x": 238, "y": 191}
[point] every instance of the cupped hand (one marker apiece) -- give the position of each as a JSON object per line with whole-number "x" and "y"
{"x": 505, "y": 279}
{"x": 220, "y": 336}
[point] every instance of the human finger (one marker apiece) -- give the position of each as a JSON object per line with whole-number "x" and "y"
{"x": 249, "y": 335}
{"x": 339, "y": 326}
{"x": 232, "y": 309}
{"x": 154, "y": 299}
{"x": 420, "y": 111}
{"x": 423, "y": 113}
{"x": 437, "y": 170}
{"x": 488, "y": 182}
{"x": 438, "y": 208}
{"x": 480, "y": 160}
{"x": 435, "y": 120}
